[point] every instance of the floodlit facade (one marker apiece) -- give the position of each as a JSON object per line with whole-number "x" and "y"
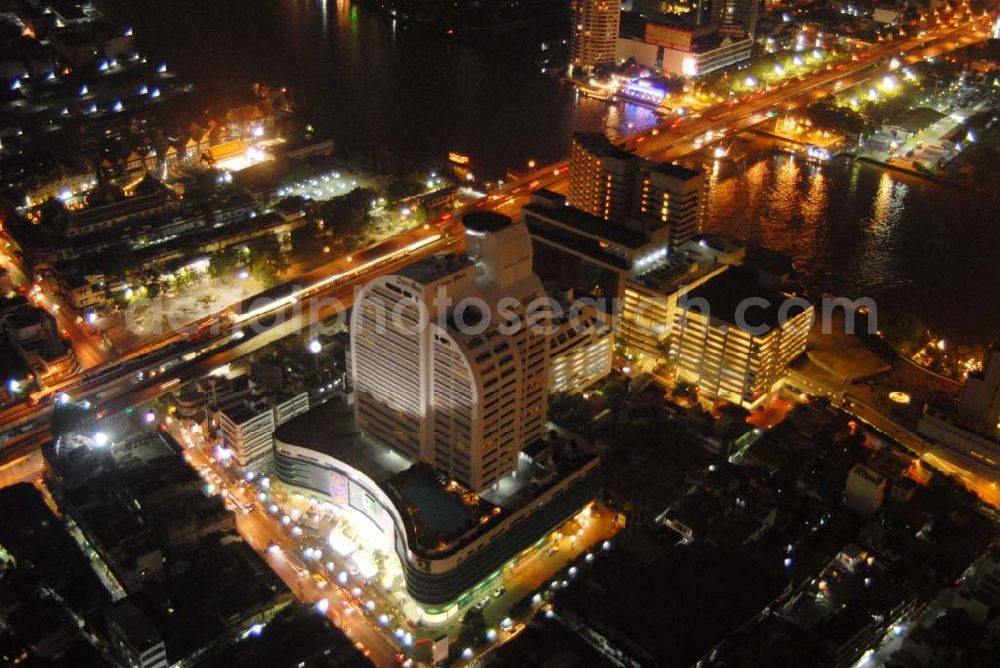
{"x": 648, "y": 313}
{"x": 657, "y": 199}
{"x": 247, "y": 427}
{"x": 649, "y": 305}
{"x": 739, "y": 362}
{"x": 247, "y": 431}
{"x": 447, "y": 385}
{"x": 707, "y": 56}
{"x": 594, "y": 32}
{"x": 581, "y": 352}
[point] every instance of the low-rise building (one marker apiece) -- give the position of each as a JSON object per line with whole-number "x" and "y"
{"x": 694, "y": 51}
{"x": 133, "y": 638}
{"x": 865, "y": 490}
{"x": 107, "y": 217}
{"x": 246, "y": 425}
{"x": 134, "y": 502}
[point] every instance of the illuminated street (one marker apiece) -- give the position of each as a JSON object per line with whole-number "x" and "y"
{"x": 327, "y": 576}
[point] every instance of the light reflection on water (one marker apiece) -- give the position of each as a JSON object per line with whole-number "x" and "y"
{"x": 856, "y": 230}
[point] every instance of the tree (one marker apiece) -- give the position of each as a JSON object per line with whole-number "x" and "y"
{"x": 118, "y": 260}
{"x": 264, "y": 273}
{"x": 473, "y": 628}
{"x": 614, "y": 393}
{"x": 53, "y": 216}
{"x": 307, "y": 244}
{"x": 903, "y": 331}
{"x": 683, "y": 388}
{"x": 348, "y": 214}
{"x": 223, "y": 264}
{"x": 568, "y": 409}
{"x": 843, "y": 120}
{"x": 69, "y": 418}
{"x": 400, "y": 188}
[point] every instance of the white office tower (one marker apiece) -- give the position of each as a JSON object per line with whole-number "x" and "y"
{"x": 442, "y": 372}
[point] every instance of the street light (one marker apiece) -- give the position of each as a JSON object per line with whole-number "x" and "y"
{"x": 100, "y": 439}
{"x": 315, "y": 347}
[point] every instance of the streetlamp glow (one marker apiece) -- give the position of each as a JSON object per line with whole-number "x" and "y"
{"x": 315, "y": 347}
{"x": 100, "y": 439}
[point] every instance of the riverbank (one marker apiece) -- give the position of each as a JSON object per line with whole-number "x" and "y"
{"x": 896, "y": 166}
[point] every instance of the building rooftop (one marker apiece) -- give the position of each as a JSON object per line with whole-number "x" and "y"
{"x": 727, "y": 295}
{"x": 712, "y": 41}
{"x": 673, "y": 169}
{"x": 544, "y": 203}
{"x": 435, "y": 267}
{"x": 598, "y": 144}
{"x": 135, "y": 625}
{"x": 136, "y": 205}
{"x": 770, "y": 261}
{"x": 865, "y": 473}
{"x": 485, "y": 221}
{"x": 673, "y": 272}
{"x": 340, "y": 438}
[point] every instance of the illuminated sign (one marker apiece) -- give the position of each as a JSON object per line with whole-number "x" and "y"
{"x": 667, "y": 37}
{"x": 339, "y": 489}
{"x": 458, "y": 158}
{"x": 643, "y": 91}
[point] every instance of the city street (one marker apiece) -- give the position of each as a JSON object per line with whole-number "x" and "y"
{"x": 366, "y": 612}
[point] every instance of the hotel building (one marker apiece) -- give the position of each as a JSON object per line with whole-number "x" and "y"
{"x": 673, "y": 196}
{"x": 660, "y": 200}
{"x": 602, "y": 177}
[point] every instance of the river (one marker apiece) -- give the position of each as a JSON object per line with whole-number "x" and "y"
{"x": 853, "y": 229}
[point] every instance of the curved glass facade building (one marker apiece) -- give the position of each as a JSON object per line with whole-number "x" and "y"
{"x": 451, "y": 543}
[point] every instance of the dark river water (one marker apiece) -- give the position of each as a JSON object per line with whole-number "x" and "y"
{"x": 854, "y": 230}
